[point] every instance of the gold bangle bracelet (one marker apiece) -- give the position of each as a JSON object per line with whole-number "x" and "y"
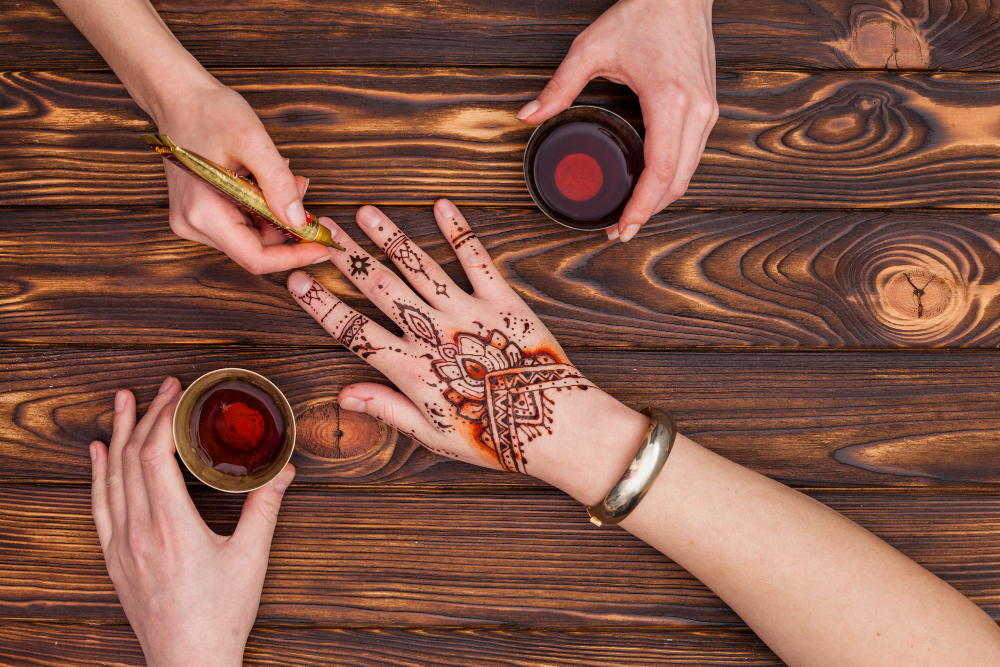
{"x": 641, "y": 473}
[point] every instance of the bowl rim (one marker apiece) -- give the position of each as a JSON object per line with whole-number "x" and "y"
{"x": 204, "y": 473}
{"x": 593, "y": 226}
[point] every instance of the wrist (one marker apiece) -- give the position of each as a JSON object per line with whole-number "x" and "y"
{"x": 168, "y": 96}
{"x": 590, "y": 456}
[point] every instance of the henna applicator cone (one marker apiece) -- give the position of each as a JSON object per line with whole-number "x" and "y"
{"x": 241, "y": 191}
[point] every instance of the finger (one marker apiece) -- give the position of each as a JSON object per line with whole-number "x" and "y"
{"x": 99, "y": 507}
{"x": 483, "y": 274}
{"x": 260, "y": 514}
{"x": 572, "y": 75}
{"x": 259, "y": 155}
{"x": 245, "y": 245}
{"x": 423, "y": 273}
{"x": 662, "y": 151}
{"x": 395, "y": 409}
{"x": 169, "y": 500}
{"x": 385, "y": 289}
{"x": 136, "y": 494}
{"x": 354, "y": 331}
{"x": 124, "y": 424}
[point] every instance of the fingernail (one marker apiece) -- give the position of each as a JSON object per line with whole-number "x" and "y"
{"x": 321, "y": 259}
{"x": 353, "y": 404}
{"x": 282, "y": 481}
{"x": 528, "y": 109}
{"x": 447, "y": 207}
{"x": 120, "y": 399}
{"x": 93, "y": 453}
{"x": 299, "y": 283}
{"x": 307, "y": 185}
{"x": 368, "y": 216}
{"x": 288, "y": 161}
{"x": 164, "y": 385}
{"x": 630, "y": 231}
{"x": 296, "y": 214}
{"x": 612, "y": 233}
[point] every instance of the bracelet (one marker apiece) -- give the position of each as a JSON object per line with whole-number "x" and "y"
{"x": 641, "y": 473}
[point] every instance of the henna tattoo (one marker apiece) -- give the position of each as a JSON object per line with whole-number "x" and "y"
{"x": 462, "y": 238}
{"x": 398, "y": 249}
{"x": 347, "y": 326}
{"x": 359, "y": 265}
{"x": 490, "y": 382}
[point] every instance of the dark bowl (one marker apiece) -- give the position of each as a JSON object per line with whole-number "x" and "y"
{"x": 618, "y": 127}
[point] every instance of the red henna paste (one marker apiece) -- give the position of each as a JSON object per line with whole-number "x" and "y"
{"x": 579, "y": 177}
{"x": 237, "y": 428}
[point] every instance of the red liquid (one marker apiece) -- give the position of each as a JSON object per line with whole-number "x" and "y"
{"x": 237, "y": 428}
{"x": 581, "y": 170}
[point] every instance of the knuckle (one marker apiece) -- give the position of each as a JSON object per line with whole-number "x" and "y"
{"x": 382, "y": 281}
{"x": 662, "y": 171}
{"x": 677, "y": 189}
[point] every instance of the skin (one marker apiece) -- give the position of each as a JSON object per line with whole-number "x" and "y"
{"x": 817, "y": 588}
{"x": 663, "y": 50}
{"x": 198, "y": 113}
{"x": 190, "y": 595}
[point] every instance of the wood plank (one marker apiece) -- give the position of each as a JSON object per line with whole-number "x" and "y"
{"x": 894, "y": 420}
{"x": 115, "y": 645}
{"x": 784, "y": 140}
{"x": 713, "y": 279}
{"x": 810, "y": 34}
{"x": 348, "y": 559}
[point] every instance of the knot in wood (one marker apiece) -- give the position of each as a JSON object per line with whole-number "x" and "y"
{"x": 350, "y": 444}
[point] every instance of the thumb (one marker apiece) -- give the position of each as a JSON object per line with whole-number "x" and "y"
{"x": 389, "y": 406}
{"x": 260, "y": 511}
{"x": 275, "y": 178}
{"x": 573, "y": 74}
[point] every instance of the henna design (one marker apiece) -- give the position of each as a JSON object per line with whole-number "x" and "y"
{"x": 462, "y": 238}
{"x": 359, "y": 265}
{"x": 493, "y": 384}
{"x": 312, "y": 294}
{"x": 398, "y": 249}
{"x": 352, "y": 329}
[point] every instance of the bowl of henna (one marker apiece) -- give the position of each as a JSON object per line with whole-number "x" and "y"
{"x": 234, "y": 430}
{"x": 581, "y": 166}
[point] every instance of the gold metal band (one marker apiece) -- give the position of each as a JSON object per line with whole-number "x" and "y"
{"x": 641, "y": 473}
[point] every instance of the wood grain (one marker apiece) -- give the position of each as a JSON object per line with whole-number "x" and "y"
{"x": 72, "y": 645}
{"x": 880, "y": 34}
{"x": 716, "y": 279}
{"x": 526, "y": 560}
{"x": 894, "y": 420}
{"x": 784, "y": 139}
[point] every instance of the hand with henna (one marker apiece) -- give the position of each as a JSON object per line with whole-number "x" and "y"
{"x": 481, "y": 378}
{"x": 663, "y": 50}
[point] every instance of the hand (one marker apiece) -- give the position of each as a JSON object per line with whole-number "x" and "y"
{"x": 663, "y": 51}
{"x": 217, "y": 123}
{"x": 190, "y": 595}
{"x": 482, "y": 379}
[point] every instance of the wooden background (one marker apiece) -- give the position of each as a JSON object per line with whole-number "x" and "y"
{"x": 768, "y": 309}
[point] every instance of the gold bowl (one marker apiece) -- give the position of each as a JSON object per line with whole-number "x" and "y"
{"x": 185, "y": 443}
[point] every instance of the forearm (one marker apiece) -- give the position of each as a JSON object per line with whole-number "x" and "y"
{"x": 139, "y": 47}
{"x": 816, "y": 587}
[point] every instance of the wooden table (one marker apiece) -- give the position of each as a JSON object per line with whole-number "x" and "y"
{"x": 769, "y": 309}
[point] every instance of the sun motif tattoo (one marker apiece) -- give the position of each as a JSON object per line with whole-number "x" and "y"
{"x": 490, "y": 382}
{"x": 359, "y": 265}
{"x": 398, "y": 249}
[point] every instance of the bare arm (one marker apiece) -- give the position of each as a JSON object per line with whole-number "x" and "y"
{"x": 199, "y": 113}
{"x": 816, "y": 587}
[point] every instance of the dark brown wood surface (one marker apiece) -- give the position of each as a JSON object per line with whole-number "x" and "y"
{"x": 66, "y": 645}
{"x": 784, "y": 139}
{"x": 762, "y": 34}
{"x": 810, "y": 419}
{"x": 777, "y": 279}
{"x": 489, "y": 559}
{"x": 771, "y": 311}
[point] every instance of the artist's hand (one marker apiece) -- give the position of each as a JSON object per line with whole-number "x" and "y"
{"x": 662, "y": 50}
{"x": 482, "y": 379}
{"x": 217, "y": 123}
{"x": 190, "y": 595}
